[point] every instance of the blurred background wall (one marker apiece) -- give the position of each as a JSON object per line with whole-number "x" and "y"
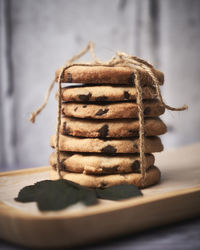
{"x": 38, "y": 36}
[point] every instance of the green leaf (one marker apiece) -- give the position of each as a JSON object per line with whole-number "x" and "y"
{"x": 56, "y": 195}
{"x": 118, "y": 192}
{"x": 87, "y": 196}
{"x": 27, "y": 194}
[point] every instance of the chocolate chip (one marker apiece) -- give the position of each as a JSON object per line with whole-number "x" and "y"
{"x": 109, "y": 150}
{"x": 101, "y": 98}
{"x": 85, "y": 98}
{"x": 85, "y": 105}
{"x": 147, "y": 111}
{"x": 135, "y": 165}
{"x": 101, "y": 112}
{"x": 62, "y": 166}
{"x": 69, "y": 77}
{"x": 103, "y": 184}
{"x": 135, "y": 145}
{"x": 65, "y": 129}
{"x": 126, "y": 95}
{"x": 103, "y": 131}
{"x": 63, "y": 111}
{"x": 131, "y": 78}
{"x": 75, "y": 109}
{"x": 111, "y": 170}
{"x": 64, "y": 126}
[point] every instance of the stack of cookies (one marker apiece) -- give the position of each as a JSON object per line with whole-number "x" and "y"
{"x": 99, "y": 140}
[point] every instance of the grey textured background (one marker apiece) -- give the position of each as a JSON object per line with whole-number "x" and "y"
{"x": 36, "y": 37}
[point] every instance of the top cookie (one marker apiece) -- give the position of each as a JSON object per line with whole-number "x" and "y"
{"x": 107, "y": 75}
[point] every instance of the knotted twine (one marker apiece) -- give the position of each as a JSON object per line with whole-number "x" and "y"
{"x": 123, "y": 60}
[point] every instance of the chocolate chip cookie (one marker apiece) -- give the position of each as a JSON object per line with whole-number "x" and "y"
{"x": 107, "y": 75}
{"x": 112, "y": 110}
{"x": 100, "y": 164}
{"x": 152, "y": 177}
{"x": 94, "y": 145}
{"x": 104, "y": 94}
{"x": 111, "y": 128}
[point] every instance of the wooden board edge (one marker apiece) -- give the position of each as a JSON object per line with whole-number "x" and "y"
{"x": 24, "y": 171}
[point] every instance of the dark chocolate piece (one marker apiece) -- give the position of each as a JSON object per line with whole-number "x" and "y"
{"x": 126, "y": 95}
{"x": 101, "y": 112}
{"x": 85, "y": 106}
{"x": 85, "y": 98}
{"x": 103, "y": 131}
{"x": 135, "y": 165}
{"x": 135, "y": 145}
{"x": 131, "y": 78}
{"x": 75, "y": 109}
{"x": 65, "y": 129}
{"x": 109, "y": 150}
{"x": 69, "y": 78}
{"x": 103, "y": 184}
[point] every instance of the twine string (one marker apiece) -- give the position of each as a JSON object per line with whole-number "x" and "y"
{"x": 149, "y": 69}
{"x": 141, "y": 124}
{"x": 123, "y": 60}
{"x": 37, "y": 111}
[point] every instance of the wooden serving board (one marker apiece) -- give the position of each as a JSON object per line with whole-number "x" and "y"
{"x": 177, "y": 197}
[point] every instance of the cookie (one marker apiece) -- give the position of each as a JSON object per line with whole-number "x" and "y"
{"x": 152, "y": 177}
{"x": 110, "y": 128}
{"x": 112, "y": 110}
{"x": 100, "y": 164}
{"x": 104, "y": 94}
{"x": 107, "y": 75}
{"x": 74, "y": 144}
